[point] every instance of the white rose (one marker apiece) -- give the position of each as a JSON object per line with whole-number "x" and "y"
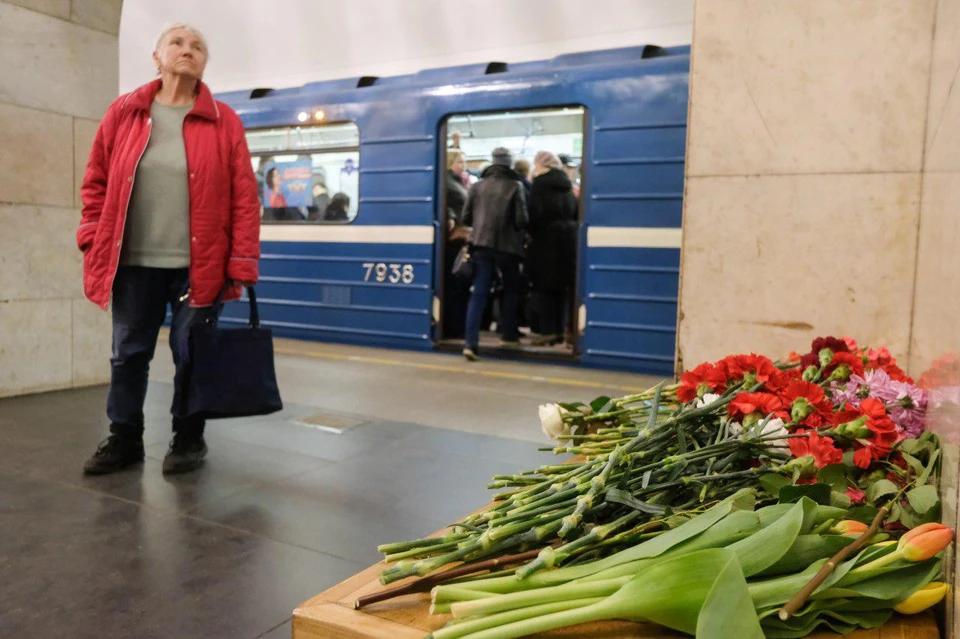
{"x": 551, "y": 421}
{"x": 775, "y": 427}
{"x": 708, "y": 398}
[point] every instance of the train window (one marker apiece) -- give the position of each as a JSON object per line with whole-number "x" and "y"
{"x": 307, "y": 174}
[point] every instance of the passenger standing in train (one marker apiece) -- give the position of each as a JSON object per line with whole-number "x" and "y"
{"x": 497, "y": 212}
{"x": 338, "y": 210}
{"x": 456, "y": 290}
{"x": 170, "y": 216}
{"x": 551, "y": 253}
{"x": 572, "y": 171}
{"x": 522, "y": 167}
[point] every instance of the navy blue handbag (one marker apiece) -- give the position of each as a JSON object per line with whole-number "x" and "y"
{"x": 231, "y": 372}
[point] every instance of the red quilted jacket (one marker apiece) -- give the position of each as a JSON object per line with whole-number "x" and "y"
{"x": 224, "y": 209}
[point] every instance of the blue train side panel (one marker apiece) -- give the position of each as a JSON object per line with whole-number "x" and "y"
{"x": 317, "y": 281}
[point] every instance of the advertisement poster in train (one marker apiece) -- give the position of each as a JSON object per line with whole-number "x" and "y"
{"x": 288, "y": 184}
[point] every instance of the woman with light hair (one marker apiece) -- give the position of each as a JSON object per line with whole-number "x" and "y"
{"x": 551, "y": 254}
{"x": 170, "y": 219}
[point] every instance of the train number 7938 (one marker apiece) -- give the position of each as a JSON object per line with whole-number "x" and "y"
{"x": 393, "y": 273}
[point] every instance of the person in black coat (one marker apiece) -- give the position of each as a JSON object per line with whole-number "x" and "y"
{"x": 456, "y": 291}
{"x": 551, "y": 259}
{"x": 338, "y": 210}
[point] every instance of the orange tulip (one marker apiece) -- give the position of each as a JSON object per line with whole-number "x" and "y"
{"x": 923, "y": 542}
{"x": 850, "y": 527}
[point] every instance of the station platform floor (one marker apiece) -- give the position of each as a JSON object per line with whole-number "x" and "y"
{"x": 373, "y": 446}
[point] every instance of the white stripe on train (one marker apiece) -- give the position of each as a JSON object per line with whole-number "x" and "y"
{"x": 597, "y": 236}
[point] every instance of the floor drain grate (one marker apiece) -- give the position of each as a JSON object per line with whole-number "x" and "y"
{"x": 330, "y": 422}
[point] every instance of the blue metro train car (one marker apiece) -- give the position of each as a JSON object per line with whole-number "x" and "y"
{"x": 352, "y": 174}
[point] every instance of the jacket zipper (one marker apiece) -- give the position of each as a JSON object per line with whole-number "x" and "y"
{"x": 183, "y": 129}
{"x": 126, "y": 209}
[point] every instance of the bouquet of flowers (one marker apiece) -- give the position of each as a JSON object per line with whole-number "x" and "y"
{"x": 836, "y": 437}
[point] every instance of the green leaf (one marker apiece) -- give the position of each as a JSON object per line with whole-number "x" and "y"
{"x": 728, "y": 609}
{"x": 819, "y": 493}
{"x": 835, "y": 475}
{"x": 601, "y": 404}
{"x": 839, "y": 499}
{"x": 915, "y": 463}
{"x": 773, "y": 482}
{"x": 923, "y": 498}
{"x": 573, "y": 407}
{"x": 931, "y": 465}
{"x": 863, "y": 513}
{"x": 881, "y": 488}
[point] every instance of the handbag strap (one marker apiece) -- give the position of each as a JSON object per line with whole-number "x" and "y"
{"x": 251, "y": 295}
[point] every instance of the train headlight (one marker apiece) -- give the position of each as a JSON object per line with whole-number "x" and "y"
{"x": 319, "y": 115}
{"x": 302, "y": 116}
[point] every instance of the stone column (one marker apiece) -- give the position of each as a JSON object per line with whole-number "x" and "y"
{"x": 804, "y": 158}
{"x": 59, "y": 74}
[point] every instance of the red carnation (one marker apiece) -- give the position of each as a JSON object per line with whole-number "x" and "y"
{"x": 853, "y": 362}
{"x": 746, "y": 403}
{"x": 757, "y": 368}
{"x": 822, "y": 449}
{"x": 807, "y": 403}
{"x": 704, "y": 378}
{"x": 813, "y": 357}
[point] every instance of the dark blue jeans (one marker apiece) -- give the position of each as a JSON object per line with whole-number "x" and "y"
{"x": 484, "y": 263}
{"x": 140, "y": 299}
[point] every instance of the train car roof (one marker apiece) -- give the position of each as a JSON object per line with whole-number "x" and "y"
{"x": 355, "y": 88}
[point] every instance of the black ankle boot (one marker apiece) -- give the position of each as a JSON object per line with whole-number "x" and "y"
{"x": 114, "y": 453}
{"x": 186, "y": 453}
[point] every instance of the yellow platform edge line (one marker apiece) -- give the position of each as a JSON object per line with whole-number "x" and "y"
{"x": 363, "y": 359}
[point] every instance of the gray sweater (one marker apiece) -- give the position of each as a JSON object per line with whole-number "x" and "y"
{"x": 157, "y": 231}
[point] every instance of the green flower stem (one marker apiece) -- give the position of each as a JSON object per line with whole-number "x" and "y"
{"x": 420, "y": 543}
{"x": 417, "y": 552}
{"x": 501, "y": 603}
{"x": 463, "y": 628}
{"x": 597, "y": 484}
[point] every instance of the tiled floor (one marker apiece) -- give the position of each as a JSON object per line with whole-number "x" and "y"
{"x": 279, "y": 512}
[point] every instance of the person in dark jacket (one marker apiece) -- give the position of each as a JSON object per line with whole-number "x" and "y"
{"x": 551, "y": 254}
{"x": 497, "y": 211}
{"x": 456, "y": 290}
{"x": 338, "y": 209}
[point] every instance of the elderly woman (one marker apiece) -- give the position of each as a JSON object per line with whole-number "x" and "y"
{"x": 170, "y": 218}
{"x": 551, "y": 254}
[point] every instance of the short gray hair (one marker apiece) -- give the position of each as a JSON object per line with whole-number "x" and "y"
{"x": 187, "y": 27}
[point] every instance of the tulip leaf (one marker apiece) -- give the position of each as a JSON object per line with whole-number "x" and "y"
{"x": 880, "y": 489}
{"x": 682, "y": 585}
{"x": 819, "y": 493}
{"x": 728, "y": 609}
{"x": 806, "y": 550}
{"x": 895, "y": 581}
{"x": 765, "y": 547}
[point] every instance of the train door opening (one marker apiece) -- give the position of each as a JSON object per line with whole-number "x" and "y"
{"x": 546, "y": 146}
